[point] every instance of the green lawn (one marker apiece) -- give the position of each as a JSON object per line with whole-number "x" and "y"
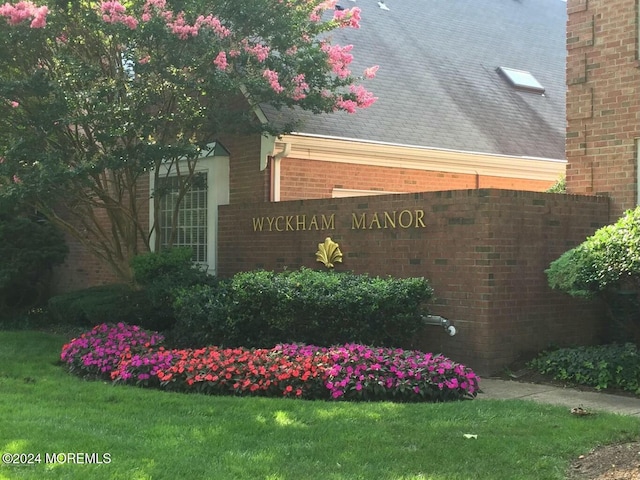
{"x": 151, "y": 434}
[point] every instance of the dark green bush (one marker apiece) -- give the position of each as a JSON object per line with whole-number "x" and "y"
{"x": 149, "y": 304}
{"x": 203, "y": 317}
{"x": 607, "y": 266}
{"x": 29, "y": 248}
{"x": 610, "y": 258}
{"x": 262, "y": 308}
{"x": 92, "y": 306}
{"x": 171, "y": 267}
{"x": 605, "y": 366}
{"x": 159, "y": 275}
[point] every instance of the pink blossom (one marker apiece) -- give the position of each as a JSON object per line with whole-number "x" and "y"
{"x": 371, "y": 71}
{"x": 272, "y": 77}
{"x": 338, "y": 58}
{"x": 151, "y": 5}
{"x": 39, "y": 17}
{"x": 300, "y": 87}
{"x": 348, "y": 106}
{"x": 23, "y": 11}
{"x": 112, "y": 7}
{"x": 316, "y": 14}
{"x": 181, "y": 28}
{"x": 16, "y": 179}
{"x": 349, "y": 17}
{"x": 159, "y": 4}
{"x": 144, "y": 60}
{"x": 221, "y": 61}
{"x": 364, "y": 98}
{"x": 261, "y": 52}
{"x": 14, "y": 104}
{"x": 215, "y": 24}
{"x": 114, "y": 12}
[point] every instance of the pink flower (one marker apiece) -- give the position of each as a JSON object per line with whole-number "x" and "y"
{"x": 215, "y": 24}
{"x": 151, "y": 5}
{"x": 348, "y": 106}
{"x": 300, "y": 87}
{"x": 364, "y": 98}
{"x": 181, "y": 28}
{"x": 272, "y": 78}
{"x": 221, "y": 61}
{"x": 348, "y": 18}
{"x": 316, "y": 15}
{"x": 261, "y": 52}
{"x": 114, "y": 12}
{"x": 16, "y": 179}
{"x": 23, "y": 11}
{"x": 144, "y": 60}
{"x": 14, "y": 104}
{"x": 338, "y": 58}
{"x": 371, "y": 71}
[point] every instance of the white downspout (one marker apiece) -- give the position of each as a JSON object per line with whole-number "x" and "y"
{"x": 275, "y": 172}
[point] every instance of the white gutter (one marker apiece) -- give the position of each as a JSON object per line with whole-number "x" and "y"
{"x": 419, "y": 147}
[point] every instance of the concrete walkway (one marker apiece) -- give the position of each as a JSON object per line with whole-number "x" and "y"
{"x": 493, "y": 388}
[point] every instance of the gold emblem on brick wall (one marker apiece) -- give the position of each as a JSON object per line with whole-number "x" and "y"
{"x": 329, "y": 253}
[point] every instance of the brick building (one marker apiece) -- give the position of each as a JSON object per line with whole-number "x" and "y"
{"x": 471, "y": 95}
{"x": 471, "y": 120}
{"x": 603, "y": 105}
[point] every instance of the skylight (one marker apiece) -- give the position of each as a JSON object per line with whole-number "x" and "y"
{"x": 521, "y": 79}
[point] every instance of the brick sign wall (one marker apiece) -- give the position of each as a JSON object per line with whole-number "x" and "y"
{"x": 484, "y": 252}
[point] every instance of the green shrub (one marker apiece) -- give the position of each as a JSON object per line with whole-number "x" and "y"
{"x": 202, "y": 317}
{"x": 560, "y": 186}
{"x": 610, "y": 258}
{"x": 604, "y": 366}
{"x": 262, "y": 308}
{"x": 29, "y": 248}
{"x": 91, "y": 306}
{"x": 159, "y": 275}
{"x": 173, "y": 266}
{"x": 606, "y": 265}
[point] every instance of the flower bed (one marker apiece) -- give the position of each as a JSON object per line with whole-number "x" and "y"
{"x": 129, "y": 354}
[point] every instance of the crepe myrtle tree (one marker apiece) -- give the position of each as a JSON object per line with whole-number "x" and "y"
{"x": 96, "y": 94}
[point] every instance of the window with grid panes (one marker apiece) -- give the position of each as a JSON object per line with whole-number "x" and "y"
{"x": 191, "y": 224}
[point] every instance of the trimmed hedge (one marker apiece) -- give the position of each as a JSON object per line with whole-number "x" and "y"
{"x": 160, "y": 275}
{"x": 106, "y": 303}
{"x": 149, "y": 304}
{"x": 610, "y": 258}
{"x": 262, "y": 308}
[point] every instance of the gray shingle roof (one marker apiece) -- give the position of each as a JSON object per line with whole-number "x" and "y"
{"x": 438, "y": 85}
